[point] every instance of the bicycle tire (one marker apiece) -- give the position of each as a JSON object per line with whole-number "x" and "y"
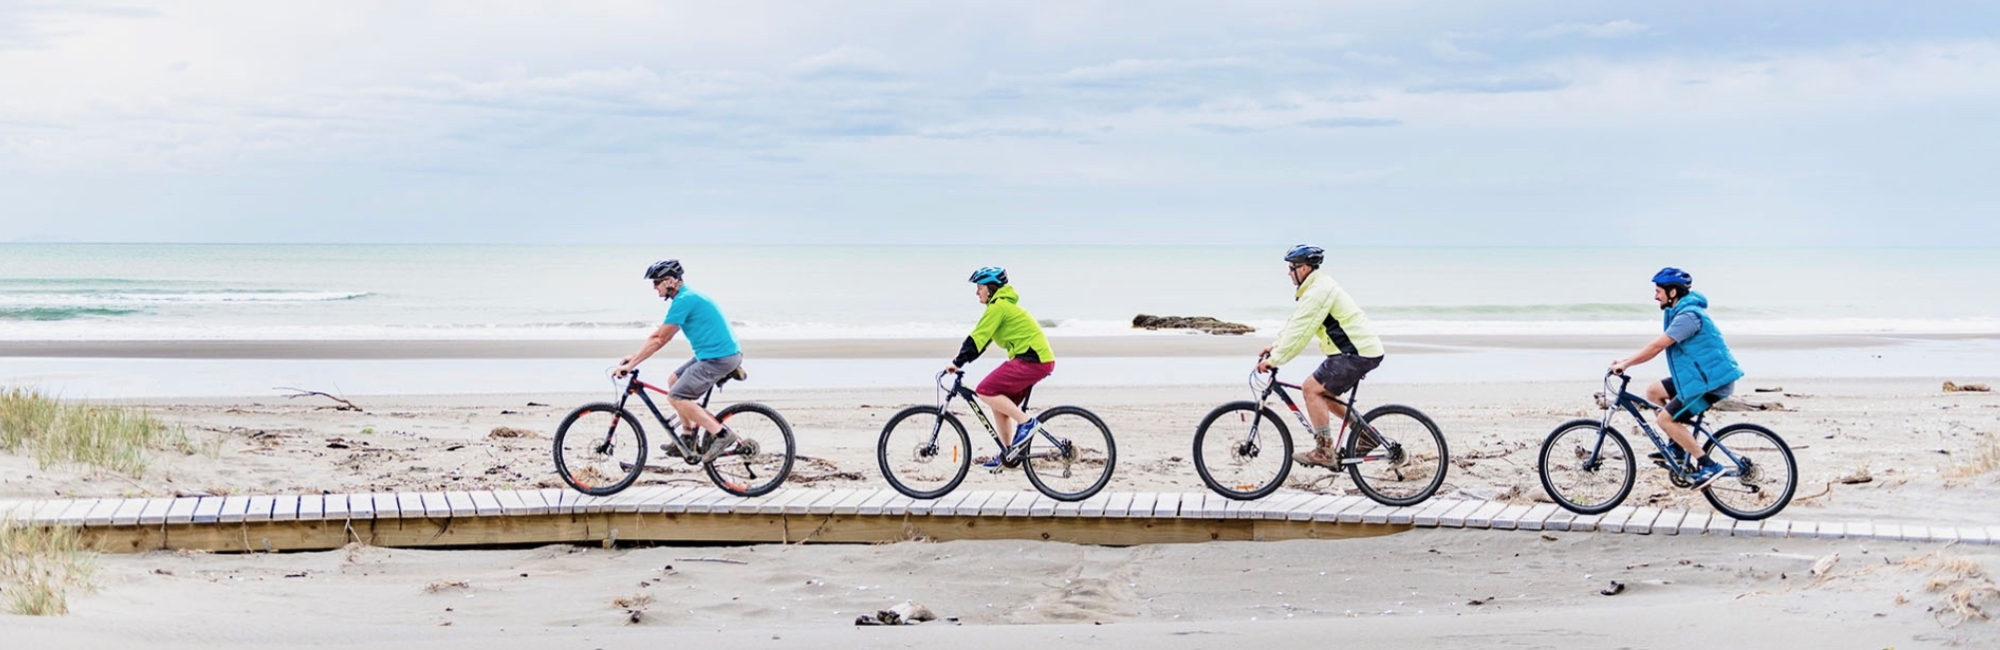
{"x": 1236, "y": 453}
{"x": 1553, "y": 458}
{"x": 758, "y": 428}
{"x": 1076, "y": 438}
{"x": 1415, "y": 457}
{"x": 1754, "y": 474}
{"x": 902, "y": 458}
{"x": 591, "y": 477}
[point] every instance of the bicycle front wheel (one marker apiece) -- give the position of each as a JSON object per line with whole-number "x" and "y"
{"x": 1402, "y": 456}
{"x": 600, "y": 449}
{"x": 762, "y": 456}
{"x": 1242, "y": 450}
{"x": 1586, "y": 468}
{"x": 1761, "y": 479}
{"x": 924, "y": 452}
{"x": 1072, "y": 456}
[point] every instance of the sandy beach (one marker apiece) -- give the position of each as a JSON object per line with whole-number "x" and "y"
{"x": 1910, "y": 440}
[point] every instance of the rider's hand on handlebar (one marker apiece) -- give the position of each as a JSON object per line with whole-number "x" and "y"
{"x": 1618, "y": 367}
{"x": 950, "y": 368}
{"x": 624, "y": 368}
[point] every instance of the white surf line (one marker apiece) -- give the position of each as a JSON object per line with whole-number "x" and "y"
{"x": 101, "y": 513}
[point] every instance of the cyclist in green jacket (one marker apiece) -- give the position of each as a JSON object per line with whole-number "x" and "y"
{"x": 1029, "y": 359}
{"x": 1325, "y": 312}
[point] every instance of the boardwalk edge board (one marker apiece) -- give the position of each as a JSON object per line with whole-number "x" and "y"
{"x": 255, "y": 523}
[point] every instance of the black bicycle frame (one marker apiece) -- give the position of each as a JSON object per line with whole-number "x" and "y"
{"x": 635, "y": 387}
{"x": 1632, "y": 403}
{"x": 1352, "y": 418}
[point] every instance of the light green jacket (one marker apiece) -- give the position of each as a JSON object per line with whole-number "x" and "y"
{"x": 1327, "y": 313}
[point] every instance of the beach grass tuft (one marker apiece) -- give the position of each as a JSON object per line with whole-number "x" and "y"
{"x": 96, "y": 437}
{"x": 40, "y": 564}
{"x": 1983, "y": 460}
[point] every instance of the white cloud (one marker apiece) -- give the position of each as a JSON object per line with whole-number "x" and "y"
{"x": 846, "y": 61}
{"x": 1445, "y": 49}
{"x": 1613, "y": 29}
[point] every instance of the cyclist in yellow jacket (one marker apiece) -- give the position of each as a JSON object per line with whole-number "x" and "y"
{"x": 1029, "y": 359}
{"x": 1324, "y": 312}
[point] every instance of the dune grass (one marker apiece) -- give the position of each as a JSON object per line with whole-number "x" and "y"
{"x": 95, "y": 437}
{"x": 1983, "y": 460}
{"x": 39, "y": 565}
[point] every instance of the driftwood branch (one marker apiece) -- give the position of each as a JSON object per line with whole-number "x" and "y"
{"x": 300, "y": 392}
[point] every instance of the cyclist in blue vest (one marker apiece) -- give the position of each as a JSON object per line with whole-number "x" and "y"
{"x": 1704, "y": 372}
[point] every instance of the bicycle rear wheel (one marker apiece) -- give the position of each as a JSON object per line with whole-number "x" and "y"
{"x": 1242, "y": 450}
{"x": 600, "y": 449}
{"x": 1586, "y": 468}
{"x": 762, "y": 457}
{"x": 1072, "y": 456}
{"x": 1761, "y": 480}
{"x": 1406, "y": 464}
{"x": 924, "y": 452}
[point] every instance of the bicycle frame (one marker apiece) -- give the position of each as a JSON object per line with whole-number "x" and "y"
{"x": 1351, "y": 420}
{"x": 958, "y": 390}
{"x": 1632, "y": 404}
{"x": 635, "y": 387}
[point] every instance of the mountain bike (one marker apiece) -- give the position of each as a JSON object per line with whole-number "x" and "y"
{"x": 1395, "y": 453}
{"x": 1587, "y": 466}
{"x": 600, "y": 448}
{"x": 925, "y": 454}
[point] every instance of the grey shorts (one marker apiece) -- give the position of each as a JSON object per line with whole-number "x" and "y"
{"x": 698, "y": 375}
{"x": 1342, "y": 372}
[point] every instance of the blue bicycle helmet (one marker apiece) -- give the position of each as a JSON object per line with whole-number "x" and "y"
{"x": 664, "y": 269}
{"x": 1673, "y": 276}
{"x": 989, "y": 275}
{"x": 1303, "y": 254}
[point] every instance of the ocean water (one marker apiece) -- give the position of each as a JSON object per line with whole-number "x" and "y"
{"x": 367, "y": 292}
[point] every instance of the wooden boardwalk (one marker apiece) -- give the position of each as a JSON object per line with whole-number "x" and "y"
{"x": 705, "y": 514}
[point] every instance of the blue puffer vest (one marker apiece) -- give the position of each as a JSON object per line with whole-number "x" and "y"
{"x": 1702, "y": 363}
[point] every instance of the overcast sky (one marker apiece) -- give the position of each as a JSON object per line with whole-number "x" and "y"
{"x": 1393, "y": 122}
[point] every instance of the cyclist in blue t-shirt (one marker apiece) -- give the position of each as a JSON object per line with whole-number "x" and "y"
{"x": 715, "y": 355}
{"x": 1703, "y": 370}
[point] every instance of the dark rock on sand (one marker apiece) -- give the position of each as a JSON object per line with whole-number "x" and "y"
{"x": 1200, "y": 323}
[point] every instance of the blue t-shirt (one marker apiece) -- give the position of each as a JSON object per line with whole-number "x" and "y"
{"x": 703, "y": 324}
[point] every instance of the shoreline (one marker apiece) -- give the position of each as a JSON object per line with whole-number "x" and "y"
{"x": 1156, "y": 345}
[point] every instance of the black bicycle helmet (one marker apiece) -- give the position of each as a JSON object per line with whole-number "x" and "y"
{"x": 664, "y": 269}
{"x": 1309, "y": 255}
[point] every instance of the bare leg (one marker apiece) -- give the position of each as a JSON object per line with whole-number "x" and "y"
{"x": 1321, "y": 407}
{"x": 1657, "y": 392}
{"x": 692, "y": 412}
{"x": 1005, "y": 414}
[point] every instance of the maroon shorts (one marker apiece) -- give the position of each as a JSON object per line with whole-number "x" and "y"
{"x": 1015, "y": 379}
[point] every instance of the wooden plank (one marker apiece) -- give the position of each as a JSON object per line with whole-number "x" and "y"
{"x": 1509, "y": 518}
{"x": 127, "y": 512}
{"x": 1282, "y": 509}
{"x": 1747, "y": 529}
{"x": 1775, "y": 528}
{"x": 292, "y": 507}
{"x": 1043, "y": 506}
{"x": 1804, "y": 530}
{"x": 486, "y": 504}
{"x": 824, "y": 505}
{"x": 1721, "y": 525}
{"x": 715, "y": 500}
{"x": 1094, "y": 507}
{"x": 1455, "y": 518}
{"x": 1483, "y": 517}
{"x": 234, "y": 509}
{"x": 1831, "y": 530}
{"x": 1213, "y": 506}
{"x": 458, "y": 504}
{"x": 260, "y": 508}
{"x": 1614, "y": 520}
{"x": 78, "y": 510}
{"x": 1070, "y": 508}
{"x": 1120, "y": 503}
{"x": 898, "y": 505}
{"x": 1695, "y": 523}
{"x": 359, "y": 506}
{"x": 510, "y": 503}
{"x": 207, "y": 510}
{"x": 1304, "y": 511}
{"x": 996, "y": 506}
{"x": 155, "y": 513}
{"x": 1427, "y": 516}
{"x": 1973, "y": 535}
{"x": 1860, "y": 530}
{"x": 1167, "y": 506}
{"x": 852, "y": 504}
{"x": 383, "y": 505}
{"x": 1379, "y": 514}
{"x": 1234, "y": 509}
{"x": 974, "y": 502}
{"x": 1645, "y": 521}
{"x": 1020, "y": 505}
{"x": 873, "y": 506}
{"x": 1669, "y": 522}
{"x": 48, "y": 512}
{"x": 333, "y": 507}
{"x": 181, "y": 511}
{"x": 941, "y": 506}
{"x": 1559, "y": 520}
{"x": 1405, "y": 515}
{"x": 1584, "y": 523}
{"x": 1536, "y": 515}
{"x": 100, "y": 515}
{"x": 801, "y": 501}
{"x": 1142, "y": 505}
{"x": 1329, "y": 511}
